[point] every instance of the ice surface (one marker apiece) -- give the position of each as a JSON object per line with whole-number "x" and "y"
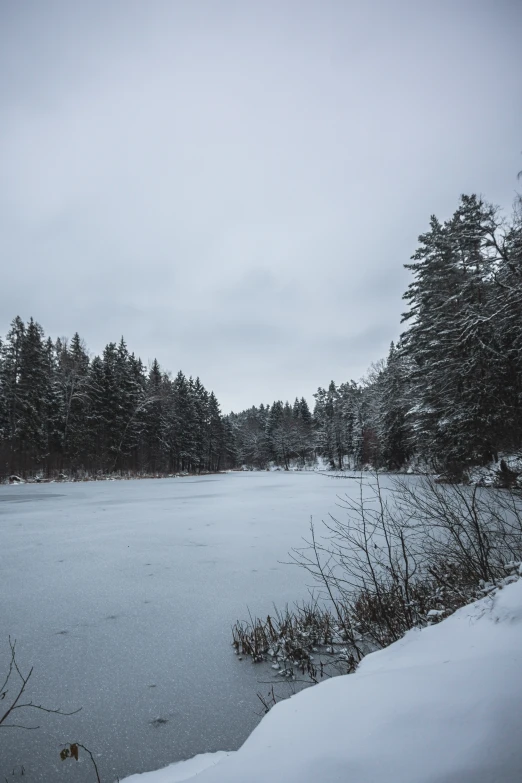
{"x": 442, "y": 705}
{"x": 122, "y": 595}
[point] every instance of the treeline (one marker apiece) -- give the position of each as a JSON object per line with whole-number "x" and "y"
{"x": 61, "y": 411}
{"x": 279, "y": 433}
{"x": 449, "y": 394}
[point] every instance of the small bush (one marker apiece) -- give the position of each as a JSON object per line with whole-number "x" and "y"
{"x": 390, "y": 563}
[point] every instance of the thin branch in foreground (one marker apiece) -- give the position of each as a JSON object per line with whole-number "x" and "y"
{"x": 15, "y": 704}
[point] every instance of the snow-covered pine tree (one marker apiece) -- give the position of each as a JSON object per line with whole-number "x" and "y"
{"x": 96, "y": 443}
{"x": 303, "y": 434}
{"x": 449, "y": 344}
{"x": 323, "y": 419}
{"x": 10, "y": 369}
{"x": 54, "y": 413}
{"x": 250, "y": 436}
{"x": 155, "y": 458}
{"x": 200, "y": 399}
{"x": 506, "y": 321}
{"x": 214, "y": 435}
{"x": 33, "y": 394}
{"x": 182, "y": 423}
{"x": 72, "y": 374}
{"x": 279, "y": 433}
{"x": 393, "y": 426}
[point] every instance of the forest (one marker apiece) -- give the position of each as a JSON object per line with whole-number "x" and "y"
{"x": 447, "y": 396}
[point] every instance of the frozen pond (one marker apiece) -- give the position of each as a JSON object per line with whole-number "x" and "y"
{"x": 122, "y": 595}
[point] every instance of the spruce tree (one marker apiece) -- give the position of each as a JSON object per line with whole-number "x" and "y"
{"x": 12, "y": 401}
{"x": 215, "y": 434}
{"x": 33, "y": 394}
{"x": 393, "y": 427}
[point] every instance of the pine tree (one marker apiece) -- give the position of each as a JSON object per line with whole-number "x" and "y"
{"x": 278, "y": 431}
{"x": 229, "y": 444}
{"x": 54, "y": 413}
{"x": 154, "y": 420}
{"x": 33, "y": 394}
{"x": 506, "y": 322}
{"x": 349, "y": 410}
{"x": 325, "y": 424}
{"x": 215, "y": 434}
{"x": 449, "y": 343}
{"x": 182, "y": 424}
{"x": 72, "y": 381}
{"x": 12, "y": 403}
{"x": 202, "y": 444}
{"x": 393, "y": 427}
{"x": 96, "y": 440}
{"x": 303, "y": 434}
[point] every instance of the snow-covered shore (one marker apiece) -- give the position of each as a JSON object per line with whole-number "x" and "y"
{"x": 442, "y": 705}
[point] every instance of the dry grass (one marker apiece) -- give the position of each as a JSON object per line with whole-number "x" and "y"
{"x": 306, "y": 640}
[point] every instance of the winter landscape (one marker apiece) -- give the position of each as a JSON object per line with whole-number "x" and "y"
{"x": 260, "y": 391}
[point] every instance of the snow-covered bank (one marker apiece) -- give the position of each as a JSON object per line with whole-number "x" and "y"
{"x": 505, "y": 472}
{"x": 183, "y": 770}
{"x": 442, "y": 705}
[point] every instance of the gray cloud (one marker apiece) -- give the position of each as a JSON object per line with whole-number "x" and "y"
{"x": 235, "y": 186}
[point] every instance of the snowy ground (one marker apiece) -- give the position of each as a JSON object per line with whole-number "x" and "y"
{"x": 440, "y": 706}
{"x": 122, "y": 595}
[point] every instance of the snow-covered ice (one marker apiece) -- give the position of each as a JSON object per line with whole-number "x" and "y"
{"x": 122, "y": 596}
{"x": 442, "y": 705}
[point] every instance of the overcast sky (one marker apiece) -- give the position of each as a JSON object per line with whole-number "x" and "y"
{"x": 235, "y": 186}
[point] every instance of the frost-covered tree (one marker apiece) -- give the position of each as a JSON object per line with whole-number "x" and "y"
{"x": 250, "y": 435}
{"x": 279, "y": 432}
{"x": 453, "y": 343}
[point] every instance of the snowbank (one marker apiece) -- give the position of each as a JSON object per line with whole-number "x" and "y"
{"x": 442, "y": 705}
{"x": 183, "y": 770}
{"x": 491, "y": 475}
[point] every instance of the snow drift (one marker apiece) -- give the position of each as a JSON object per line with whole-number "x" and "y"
{"x": 442, "y": 705}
